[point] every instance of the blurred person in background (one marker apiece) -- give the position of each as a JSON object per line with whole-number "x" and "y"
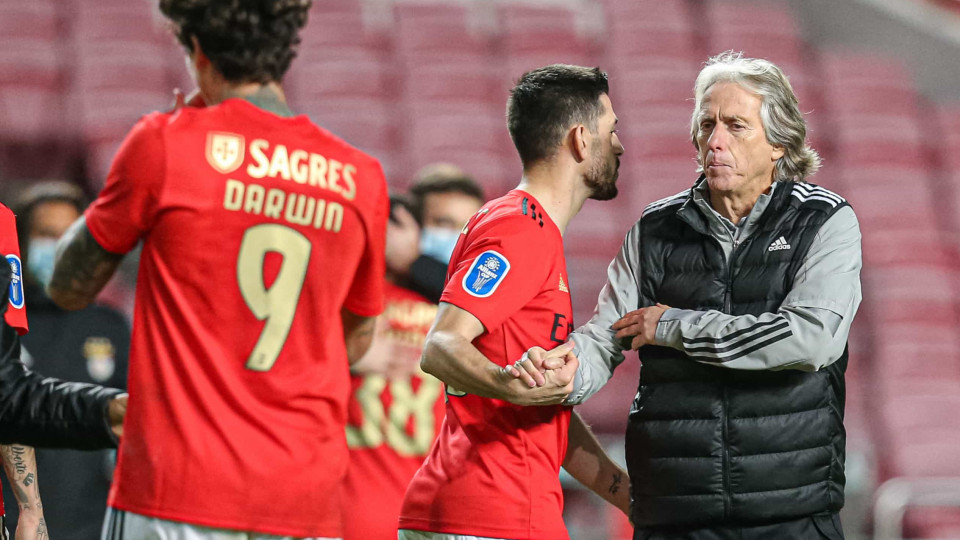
{"x": 421, "y": 241}
{"x": 747, "y": 285}
{"x": 396, "y": 409}
{"x": 260, "y": 278}
{"x": 494, "y": 470}
{"x": 90, "y": 345}
{"x": 36, "y": 410}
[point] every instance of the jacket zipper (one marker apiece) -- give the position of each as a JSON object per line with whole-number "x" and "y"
{"x": 725, "y": 465}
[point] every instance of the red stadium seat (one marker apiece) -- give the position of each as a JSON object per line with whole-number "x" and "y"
{"x": 537, "y": 36}
{"x": 358, "y": 73}
{"x": 36, "y": 19}
{"x": 425, "y": 31}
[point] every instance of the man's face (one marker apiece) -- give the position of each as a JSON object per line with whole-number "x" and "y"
{"x": 51, "y": 219}
{"x": 48, "y": 222}
{"x": 733, "y": 147}
{"x": 450, "y": 210}
{"x": 605, "y": 155}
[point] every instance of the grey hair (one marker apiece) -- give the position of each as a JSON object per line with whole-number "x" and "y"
{"x": 780, "y": 112}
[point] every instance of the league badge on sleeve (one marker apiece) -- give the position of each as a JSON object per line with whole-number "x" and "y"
{"x": 486, "y": 273}
{"x": 16, "y": 281}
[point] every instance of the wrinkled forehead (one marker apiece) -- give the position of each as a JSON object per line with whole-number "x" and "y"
{"x": 729, "y": 99}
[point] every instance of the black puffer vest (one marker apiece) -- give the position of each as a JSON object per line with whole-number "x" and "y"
{"x": 708, "y": 445}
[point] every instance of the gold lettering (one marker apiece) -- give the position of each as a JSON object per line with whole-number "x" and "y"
{"x": 348, "y": 172}
{"x": 280, "y": 163}
{"x": 318, "y": 171}
{"x": 333, "y": 174}
{"x": 257, "y": 146}
{"x": 298, "y": 167}
{"x": 274, "y": 205}
{"x": 334, "y": 218}
{"x": 318, "y": 219}
{"x": 254, "y": 202}
{"x": 303, "y": 213}
{"x": 233, "y": 197}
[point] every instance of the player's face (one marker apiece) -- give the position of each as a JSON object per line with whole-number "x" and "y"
{"x": 449, "y": 210}
{"x": 605, "y": 155}
{"x": 733, "y": 147}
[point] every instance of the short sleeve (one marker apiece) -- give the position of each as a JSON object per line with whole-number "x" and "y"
{"x": 502, "y": 268}
{"x": 12, "y": 277}
{"x": 366, "y": 293}
{"x": 126, "y": 208}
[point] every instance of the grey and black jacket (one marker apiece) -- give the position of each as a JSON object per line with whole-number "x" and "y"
{"x": 45, "y": 412}
{"x": 738, "y": 417}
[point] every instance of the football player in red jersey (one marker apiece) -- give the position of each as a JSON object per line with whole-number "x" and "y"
{"x": 261, "y": 275}
{"x": 494, "y": 470}
{"x": 396, "y": 409}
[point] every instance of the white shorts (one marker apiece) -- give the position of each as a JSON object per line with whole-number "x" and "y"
{"x": 123, "y": 525}
{"x": 410, "y": 534}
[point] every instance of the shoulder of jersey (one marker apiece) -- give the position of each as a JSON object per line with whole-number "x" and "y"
{"x": 816, "y": 196}
{"x": 666, "y": 203}
{"x": 510, "y": 212}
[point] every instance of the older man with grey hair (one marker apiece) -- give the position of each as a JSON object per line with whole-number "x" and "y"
{"x": 739, "y": 294}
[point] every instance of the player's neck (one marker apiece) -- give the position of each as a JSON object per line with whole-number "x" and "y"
{"x": 269, "y": 97}
{"x": 556, "y": 188}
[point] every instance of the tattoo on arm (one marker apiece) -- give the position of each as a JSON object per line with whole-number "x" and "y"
{"x": 83, "y": 268}
{"x": 615, "y": 485}
{"x": 20, "y": 464}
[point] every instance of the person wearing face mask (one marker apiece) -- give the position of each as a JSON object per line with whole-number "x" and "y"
{"x": 88, "y": 346}
{"x": 421, "y": 241}
{"x": 396, "y": 409}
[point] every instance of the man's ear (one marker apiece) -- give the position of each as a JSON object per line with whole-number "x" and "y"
{"x": 199, "y": 59}
{"x": 578, "y": 139}
{"x": 778, "y": 152}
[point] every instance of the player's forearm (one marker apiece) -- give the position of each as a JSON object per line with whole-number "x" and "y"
{"x": 357, "y": 334}
{"x": 82, "y": 268}
{"x": 455, "y": 361}
{"x": 587, "y": 462}
{"x": 20, "y": 464}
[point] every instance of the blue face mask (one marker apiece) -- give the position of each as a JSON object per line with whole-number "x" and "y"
{"x": 438, "y": 243}
{"x": 41, "y": 253}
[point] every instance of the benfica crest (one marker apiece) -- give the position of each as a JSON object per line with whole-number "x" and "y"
{"x": 225, "y": 151}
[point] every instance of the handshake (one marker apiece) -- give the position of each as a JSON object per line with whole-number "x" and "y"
{"x": 542, "y": 377}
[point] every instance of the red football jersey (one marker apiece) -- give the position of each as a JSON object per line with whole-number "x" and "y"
{"x": 392, "y": 419}
{"x": 256, "y": 230}
{"x": 16, "y": 314}
{"x": 494, "y": 471}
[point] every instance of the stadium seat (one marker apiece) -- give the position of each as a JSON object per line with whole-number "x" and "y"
{"x": 428, "y": 31}
{"x": 537, "y": 36}
{"x": 36, "y": 19}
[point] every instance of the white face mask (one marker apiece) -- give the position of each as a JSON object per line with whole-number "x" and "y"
{"x": 438, "y": 242}
{"x": 41, "y": 253}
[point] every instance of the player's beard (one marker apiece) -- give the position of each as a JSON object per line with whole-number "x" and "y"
{"x": 602, "y": 176}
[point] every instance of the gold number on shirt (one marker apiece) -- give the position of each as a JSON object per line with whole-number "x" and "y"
{"x": 278, "y": 303}
{"x": 390, "y": 426}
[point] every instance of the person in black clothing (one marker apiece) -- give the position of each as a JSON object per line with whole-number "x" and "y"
{"x": 419, "y": 244}
{"x": 88, "y": 346}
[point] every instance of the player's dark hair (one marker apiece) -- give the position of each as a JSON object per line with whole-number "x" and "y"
{"x": 546, "y": 102}
{"x": 246, "y": 40}
{"x": 442, "y": 179}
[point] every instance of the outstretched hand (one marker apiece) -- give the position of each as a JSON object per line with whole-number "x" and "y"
{"x": 640, "y": 325}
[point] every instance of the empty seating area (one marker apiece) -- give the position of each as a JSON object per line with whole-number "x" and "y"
{"x": 415, "y": 82}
